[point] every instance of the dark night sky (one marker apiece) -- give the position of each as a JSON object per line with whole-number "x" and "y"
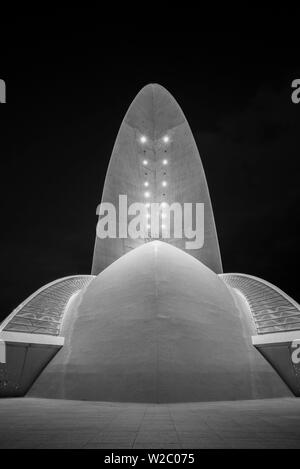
{"x": 68, "y": 88}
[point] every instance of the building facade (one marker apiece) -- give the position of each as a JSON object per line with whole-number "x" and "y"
{"x": 156, "y": 321}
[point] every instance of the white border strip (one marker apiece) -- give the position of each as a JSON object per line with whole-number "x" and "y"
{"x": 277, "y": 338}
{"x": 31, "y": 338}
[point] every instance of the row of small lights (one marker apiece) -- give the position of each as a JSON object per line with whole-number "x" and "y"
{"x": 164, "y": 162}
{"x": 143, "y": 140}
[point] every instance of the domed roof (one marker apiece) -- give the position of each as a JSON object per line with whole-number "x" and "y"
{"x": 157, "y": 325}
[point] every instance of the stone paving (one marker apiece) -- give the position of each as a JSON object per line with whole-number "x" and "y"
{"x": 46, "y": 423}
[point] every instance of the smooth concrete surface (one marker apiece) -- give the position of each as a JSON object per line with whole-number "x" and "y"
{"x": 154, "y": 114}
{"x": 158, "y": 326}
{"x": 45, "y": 423}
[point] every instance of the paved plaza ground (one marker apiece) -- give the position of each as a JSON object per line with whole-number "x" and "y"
{"x": 46, "y": 423}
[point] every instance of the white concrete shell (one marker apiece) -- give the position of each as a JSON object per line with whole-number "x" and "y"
{"x": 157, "y": 325}
{"x": 153, "y": 117}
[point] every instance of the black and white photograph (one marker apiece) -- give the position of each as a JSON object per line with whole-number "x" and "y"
{"x": 150, "y": 233}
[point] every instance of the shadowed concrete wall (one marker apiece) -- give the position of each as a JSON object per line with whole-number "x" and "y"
{"x": 158, "y": 326}
{"x": 155, "y": 114}
{"x": 24, "y": 362}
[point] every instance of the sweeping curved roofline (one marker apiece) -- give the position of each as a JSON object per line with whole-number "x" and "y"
{"x": 272, "y": 309}
{"x": 269, "y": 284}
{"x": 43, "y": 289}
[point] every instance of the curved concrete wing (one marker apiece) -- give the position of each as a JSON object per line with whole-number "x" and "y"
{"x": 155, "y": 152}
{"x": 42, "y": 312}
{"x": 31, "y": 336}
{"x": 272, "y": 309}
{"x": 277, "y": 322}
